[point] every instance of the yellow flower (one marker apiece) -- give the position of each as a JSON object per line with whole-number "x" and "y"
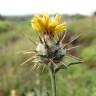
{"x": 47, "y": 26}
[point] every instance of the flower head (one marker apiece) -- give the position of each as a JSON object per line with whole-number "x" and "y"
{"x": 49, "y": 50}
{"x": 45, "y": 25}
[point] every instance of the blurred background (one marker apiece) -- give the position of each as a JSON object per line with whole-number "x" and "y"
{"x": 15, "y": 34}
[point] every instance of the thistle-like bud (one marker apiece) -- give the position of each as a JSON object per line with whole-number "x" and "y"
{"x": 48, "y": 47}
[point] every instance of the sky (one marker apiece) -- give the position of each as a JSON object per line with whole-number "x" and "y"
{"x": 24, "y": 7}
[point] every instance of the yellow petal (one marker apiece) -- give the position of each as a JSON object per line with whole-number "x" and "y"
{"x": 57, "y": 18}
{"x": 44, "y": 24}
{"x": 36, "y": 27}
{"x": 55, "y": 21}
{"x": 38, "y": 24}
{"x": 60, "y": 27}
{"x": 46, "y": 20}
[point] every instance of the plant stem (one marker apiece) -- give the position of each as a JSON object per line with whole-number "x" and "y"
{"x": 52, "y": 77}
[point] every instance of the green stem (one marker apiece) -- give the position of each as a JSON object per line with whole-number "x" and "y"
{"x": 52, "y": 76}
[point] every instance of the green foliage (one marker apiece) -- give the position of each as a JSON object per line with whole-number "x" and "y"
{"x": 89, "y": 53}
{"x": 76, "y": 81}
{"x": 85, "y": 27}
{"x": 5, "y": 26}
